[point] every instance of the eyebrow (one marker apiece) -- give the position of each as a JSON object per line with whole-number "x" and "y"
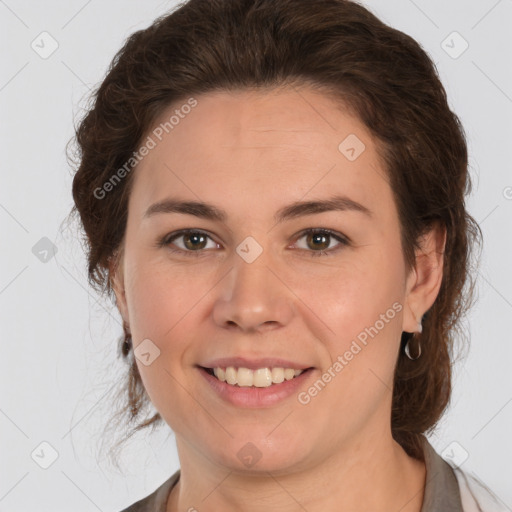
{"x": 293, "y": 210}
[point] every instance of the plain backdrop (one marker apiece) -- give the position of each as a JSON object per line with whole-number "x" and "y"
{"x": 59, "y": 363}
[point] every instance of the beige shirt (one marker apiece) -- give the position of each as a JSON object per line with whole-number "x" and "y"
{"x": 446, "y": 490}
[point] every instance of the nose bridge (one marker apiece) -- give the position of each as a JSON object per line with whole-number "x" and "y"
{"x": 253, "y": 297}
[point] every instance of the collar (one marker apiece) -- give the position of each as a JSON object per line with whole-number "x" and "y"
{"x": 441, "y": 487}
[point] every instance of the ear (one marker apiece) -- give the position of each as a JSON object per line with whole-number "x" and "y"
{"x": 116, "y": 277}
{"x": 424, "y": 280}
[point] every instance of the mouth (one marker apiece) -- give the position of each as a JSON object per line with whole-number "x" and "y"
{"x": 258, "y": 378}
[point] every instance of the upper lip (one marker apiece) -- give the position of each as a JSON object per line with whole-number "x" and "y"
{"x": 254, "y": 364}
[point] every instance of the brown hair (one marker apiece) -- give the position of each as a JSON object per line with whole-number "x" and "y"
{"x": 336, "y": 46}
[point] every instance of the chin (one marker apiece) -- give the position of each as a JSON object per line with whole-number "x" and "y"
{"x": 261, "y": 457}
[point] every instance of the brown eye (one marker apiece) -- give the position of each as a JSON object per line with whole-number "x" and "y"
{"x": 319, "y": 240}
{"x": 193, "y": 242}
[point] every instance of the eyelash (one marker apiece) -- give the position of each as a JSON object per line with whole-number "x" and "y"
{"x": 167, "y": 239}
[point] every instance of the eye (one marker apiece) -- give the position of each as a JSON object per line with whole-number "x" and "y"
{"x": 194, "y": 241}
{"x": 320, "y": 239}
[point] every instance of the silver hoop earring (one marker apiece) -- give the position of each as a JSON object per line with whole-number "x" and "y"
{"x": 408, "y": 350}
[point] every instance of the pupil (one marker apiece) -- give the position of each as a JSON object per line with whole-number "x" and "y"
{"x": 195, "y": 237}
{"x": 321, "y": 236}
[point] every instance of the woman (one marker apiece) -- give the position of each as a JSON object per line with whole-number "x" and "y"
{"x": 274, "y": 193}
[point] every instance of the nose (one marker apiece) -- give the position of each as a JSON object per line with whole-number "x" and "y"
{"x": 253, "y": 297}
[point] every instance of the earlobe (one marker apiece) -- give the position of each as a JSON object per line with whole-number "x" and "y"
{"x": 425, "y": 279}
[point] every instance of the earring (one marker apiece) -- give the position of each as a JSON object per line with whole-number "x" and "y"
{"x": 407, "y": 348}
{"x": 127, "y": 344}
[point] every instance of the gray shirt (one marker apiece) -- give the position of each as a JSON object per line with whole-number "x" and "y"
{"x": 441, "y": 488}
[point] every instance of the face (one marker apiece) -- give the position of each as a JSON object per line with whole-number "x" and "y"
{"x": 254, "y": 283}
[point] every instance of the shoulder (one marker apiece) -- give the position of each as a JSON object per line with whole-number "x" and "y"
{"x": 157, "y": 500}
{"x": 476, "y": 496}
{"x": 447, "y": 487}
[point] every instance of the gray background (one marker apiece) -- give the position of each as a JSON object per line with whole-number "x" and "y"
{"x": 59, "y": 362}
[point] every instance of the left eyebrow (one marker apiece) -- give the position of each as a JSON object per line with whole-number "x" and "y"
{"x": 293, "y": 210}
{"x": 335, "y": 203}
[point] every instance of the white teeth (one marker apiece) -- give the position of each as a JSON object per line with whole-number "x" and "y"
{"x": 260, "y": 378}
{"x": 245, "y": 377}
{"x": 231, "y": 375}
{"x": 289, "y": 373}
{"x": 220, "y": 374}
{"x": 277, "y": 375}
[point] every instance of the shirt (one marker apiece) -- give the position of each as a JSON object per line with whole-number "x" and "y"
{"x": 447, "y": 489}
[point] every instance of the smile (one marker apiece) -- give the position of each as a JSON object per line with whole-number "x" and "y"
{"x": 242, "y": 390}
{"x": 260, "y": 378}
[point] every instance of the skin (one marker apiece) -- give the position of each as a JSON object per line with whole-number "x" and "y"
{"x": 251, "y": 153}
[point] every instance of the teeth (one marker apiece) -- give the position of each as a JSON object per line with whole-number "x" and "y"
{"x": 220, "y": 374}
{"x": 277, "y": 375}
{"x": 260, "y": 378}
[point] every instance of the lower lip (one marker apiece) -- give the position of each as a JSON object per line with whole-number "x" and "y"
{"x": 253, "y": 396}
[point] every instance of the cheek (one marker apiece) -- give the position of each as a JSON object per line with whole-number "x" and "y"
{"x": 162, "y": 305}
{"x": 358, "y": 293}
{"x": 160, "y": 298}
{"x": 361, "y": 304}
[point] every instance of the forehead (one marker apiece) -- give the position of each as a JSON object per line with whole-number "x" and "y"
{"x": 255, "y": 147}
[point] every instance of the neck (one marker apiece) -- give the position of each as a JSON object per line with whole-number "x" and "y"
{"x": 367, "y": 474}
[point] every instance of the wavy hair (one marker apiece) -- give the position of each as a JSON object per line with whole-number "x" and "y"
{"x": 335, "y": 46}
